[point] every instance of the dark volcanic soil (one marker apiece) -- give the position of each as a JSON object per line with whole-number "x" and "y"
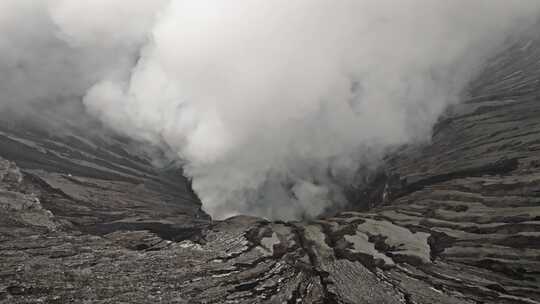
{"x": 83, "y": 220}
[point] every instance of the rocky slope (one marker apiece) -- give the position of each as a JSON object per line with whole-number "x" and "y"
{"x": 453, "y": 221}
{"x": 91, "y": 178}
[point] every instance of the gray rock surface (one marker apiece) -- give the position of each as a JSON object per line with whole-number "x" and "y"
{"x": 453, "y": 221}
{"x": 98, "y": 181}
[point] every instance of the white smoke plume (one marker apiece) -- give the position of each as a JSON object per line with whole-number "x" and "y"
{"x": 271, "y": 105}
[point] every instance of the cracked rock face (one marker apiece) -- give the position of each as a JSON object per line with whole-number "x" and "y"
{"x": 84, "y": 221}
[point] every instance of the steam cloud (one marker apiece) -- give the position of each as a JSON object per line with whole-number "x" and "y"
{"x": 272, "y": 105}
